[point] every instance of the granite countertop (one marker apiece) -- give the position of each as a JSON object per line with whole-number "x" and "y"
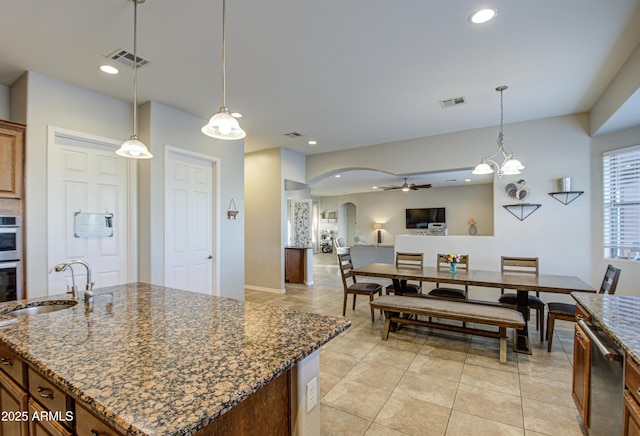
{"x": 152, "y": 360}
{"x": 619, "y": 317}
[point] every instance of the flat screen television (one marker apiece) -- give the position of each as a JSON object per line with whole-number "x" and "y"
{"x": 420, "y": 218}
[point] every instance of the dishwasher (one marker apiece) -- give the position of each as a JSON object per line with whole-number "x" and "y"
{"x": 607, "y": 382}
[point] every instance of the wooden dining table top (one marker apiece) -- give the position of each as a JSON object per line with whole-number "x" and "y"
{"x": 560, "y": 284}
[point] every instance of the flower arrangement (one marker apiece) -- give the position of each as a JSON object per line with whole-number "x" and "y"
{"x": 453, "y": 258}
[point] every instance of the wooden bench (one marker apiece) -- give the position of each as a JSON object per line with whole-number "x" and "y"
{"x": 395, "y": 306}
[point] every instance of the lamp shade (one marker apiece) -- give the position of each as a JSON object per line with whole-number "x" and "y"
{"x": 223, "y": 126}
{"x": 378, "y": 226}
{"x": 512, "y": 166}
{"x": 133, "y": 148}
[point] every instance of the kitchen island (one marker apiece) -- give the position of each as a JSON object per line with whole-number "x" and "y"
{"x": 150, "y": 360}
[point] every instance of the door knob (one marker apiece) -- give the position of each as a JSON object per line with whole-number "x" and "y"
{"x": 209, "y": 257}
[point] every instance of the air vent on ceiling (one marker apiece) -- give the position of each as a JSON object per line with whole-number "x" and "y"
{"x": 126, "y": 58}
{"x": 293, "y": 135}
{"x": 451, "y": 102}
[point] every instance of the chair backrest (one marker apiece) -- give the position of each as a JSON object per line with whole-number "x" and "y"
{"x": 527, "y": 265}
{"x": 409, "y": 260}
{"x": 340, "y": 242}
{"x": 443, "y": 264}
{"x": 610, "y": 281}
{"x": 346, "y": 265}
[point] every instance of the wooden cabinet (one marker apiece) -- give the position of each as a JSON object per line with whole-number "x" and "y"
{"x": 51, "y": 398}
{"x": 13, "y": 404}
{"x": 44, "y": 427}
{"x": 631, "y": 411}
{"x": 87, "y": 424}
{"x": 11, "y": 159}
{"x": 294, "y": 264}
{"x": 581, "y": 373}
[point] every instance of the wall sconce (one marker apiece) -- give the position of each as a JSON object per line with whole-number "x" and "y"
{"x": 379, "y": 227}
{"x": 232, "y": 212}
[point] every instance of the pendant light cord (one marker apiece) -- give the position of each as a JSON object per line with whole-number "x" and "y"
{"x": 135, "y": 69}
{"x": 224, "y": 61}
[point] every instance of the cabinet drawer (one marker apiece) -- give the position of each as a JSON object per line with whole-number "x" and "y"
{"x": 581, "y": 313}
{"x": 632, "y": 378}
{"x": 44, "y": 426}
{"x": 13, "y": 366}
{"x": 88, "y": 424}
{"x": 52, "y": 398}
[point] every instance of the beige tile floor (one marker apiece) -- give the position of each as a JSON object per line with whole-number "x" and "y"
{"x": 430, "y": 382}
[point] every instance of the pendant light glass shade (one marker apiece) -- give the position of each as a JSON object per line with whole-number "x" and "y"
{"x": 222, "y": 125}
{"x": 510, "y": 165}
{"x": 132, "y": 147}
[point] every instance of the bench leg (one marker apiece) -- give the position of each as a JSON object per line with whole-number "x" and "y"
{"x": 503, "y": 345}
{"x": 385, "y": 332}
{"x": 373, "y": 311}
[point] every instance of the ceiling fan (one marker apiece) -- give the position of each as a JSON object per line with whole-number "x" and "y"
{"x": 406, "y": 186}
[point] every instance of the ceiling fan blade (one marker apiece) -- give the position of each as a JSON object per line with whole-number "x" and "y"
{"x": 390, "y": 188}
{"x": 425, "y": 186}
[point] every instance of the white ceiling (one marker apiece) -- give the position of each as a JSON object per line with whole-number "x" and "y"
{"x": 346, "y": 73}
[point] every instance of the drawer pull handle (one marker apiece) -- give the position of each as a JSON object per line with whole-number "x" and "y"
{"x": 7, "y": 362}
{"x": 639, "y": 391}
{"x": 45, "y": 393}
{"x": 94, "y": 433}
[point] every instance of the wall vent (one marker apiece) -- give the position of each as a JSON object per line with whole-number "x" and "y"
{"x": 126, "y": 58}
{"x": 451, "y": 102}
{"x": 293, "y": 135}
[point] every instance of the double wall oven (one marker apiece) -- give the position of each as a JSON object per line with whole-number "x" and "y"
{"x": 10, "y": 258}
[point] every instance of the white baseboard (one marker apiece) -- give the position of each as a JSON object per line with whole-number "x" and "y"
{"x": 263, "y": 289}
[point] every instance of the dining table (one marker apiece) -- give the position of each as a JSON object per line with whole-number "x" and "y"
{"x": 521, "y": 283}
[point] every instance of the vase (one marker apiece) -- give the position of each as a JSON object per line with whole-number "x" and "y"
{"x": 453, "y": 268}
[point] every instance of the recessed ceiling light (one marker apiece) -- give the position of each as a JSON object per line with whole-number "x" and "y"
{"x": 467, "y": 180}
{"x": 312, "y": 142}
{"x": 482, "y": 16}
{"x": 338, "y": 176}
{"x": 109, "y": 69}
{"x": 374, "y": 187}
{"x": 236, "y": 114}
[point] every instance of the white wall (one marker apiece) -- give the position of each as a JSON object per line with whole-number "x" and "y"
{"x": 264, "y": 264}
{"x": 166, "y": 126}
{"x": 40, "y": 101}
{"x": 549, "y": 148}
{"x": 50, "y": 102}
{"x": 630, "y": 275}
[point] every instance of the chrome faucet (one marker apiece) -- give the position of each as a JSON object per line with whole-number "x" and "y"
{"x": 63, "y": 266}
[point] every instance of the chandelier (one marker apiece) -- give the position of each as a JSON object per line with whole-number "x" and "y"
{"x": 510, "y": 165}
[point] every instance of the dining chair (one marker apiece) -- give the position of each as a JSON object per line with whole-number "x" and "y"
{"x": 523, "y": 265}
{"x": 567, "y": 311}
{"x": 408, "y": 260}
{"x": 448, "y": 292}
{"x": 355, "y": 288}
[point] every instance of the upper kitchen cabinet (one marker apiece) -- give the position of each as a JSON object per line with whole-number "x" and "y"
{"x": 11, "y": 156}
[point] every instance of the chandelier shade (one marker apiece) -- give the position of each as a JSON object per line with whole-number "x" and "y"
{"x": 510, "y": 165}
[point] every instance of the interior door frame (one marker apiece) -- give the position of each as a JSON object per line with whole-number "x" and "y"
{"x": 215, "y": 204}
{"x": 132, "y": 192}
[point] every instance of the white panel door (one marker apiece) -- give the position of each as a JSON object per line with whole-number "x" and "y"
{"x": 87, "y": 176}
{"x": 189, "y": 223}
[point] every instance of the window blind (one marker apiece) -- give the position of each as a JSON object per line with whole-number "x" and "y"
{"x": 621, "y": 195}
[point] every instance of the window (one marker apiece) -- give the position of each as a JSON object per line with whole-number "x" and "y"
{"x": 621, "y": 192}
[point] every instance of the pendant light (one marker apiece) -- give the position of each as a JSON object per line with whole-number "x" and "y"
{"x": 510, "y": 165}
{"x": 133, "y": 148}
{"x": 222, "y": 125}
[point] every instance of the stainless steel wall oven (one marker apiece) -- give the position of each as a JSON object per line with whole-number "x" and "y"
{"x": 10, "y": 281}
{"x": 10, "y": 237}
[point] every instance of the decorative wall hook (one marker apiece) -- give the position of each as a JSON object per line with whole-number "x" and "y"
{"x": 232, "y": 212}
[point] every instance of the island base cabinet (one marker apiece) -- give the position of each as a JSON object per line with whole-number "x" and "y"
{"x": 581, "y": 373}
{"x": 13, "y": 404}
{"x": 44, "y": 427}
{"x": 267, "y": 412}
{"x": 89, "y": 425}
{"x": 630, "y": 416}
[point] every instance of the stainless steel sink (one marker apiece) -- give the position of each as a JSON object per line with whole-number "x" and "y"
{"x": 45, "y": 308}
